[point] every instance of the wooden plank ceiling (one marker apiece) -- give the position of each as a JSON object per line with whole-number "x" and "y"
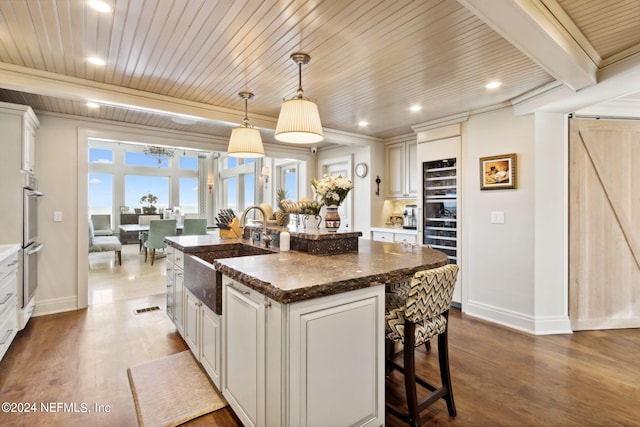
{"x": 370, "y": 59}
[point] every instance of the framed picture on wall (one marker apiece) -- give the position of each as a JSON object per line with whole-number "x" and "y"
{"x": 498, "y": 172}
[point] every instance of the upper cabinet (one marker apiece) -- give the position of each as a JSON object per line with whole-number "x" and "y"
{"x": 29, "y": 126}
{"x": 401, "y": 170}
{"x": 18, "y": 124}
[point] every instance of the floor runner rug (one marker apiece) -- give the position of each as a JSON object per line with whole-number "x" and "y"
{"x": 172, "y": 390}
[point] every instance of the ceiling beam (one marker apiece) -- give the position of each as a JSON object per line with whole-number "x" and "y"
{"x": 535, "y": 31}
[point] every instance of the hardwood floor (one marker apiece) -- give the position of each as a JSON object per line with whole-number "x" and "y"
{"x": 501, "y": 377}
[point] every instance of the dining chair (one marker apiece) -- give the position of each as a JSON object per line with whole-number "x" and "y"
{"x": 102, "y": 224}
{"x": 412, "y": 320}
{"x": 193, "y": 227}
{"x": 158, "y": 230}
{"x": 142, "y": 235}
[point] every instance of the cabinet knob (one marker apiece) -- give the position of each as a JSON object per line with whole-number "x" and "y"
{"x": 267, "y": 304}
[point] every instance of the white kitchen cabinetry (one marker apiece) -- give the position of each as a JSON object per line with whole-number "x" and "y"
{"x": 8, "y": 299}
{"x": 394, "y": 235}
{"x": 29, "y": 125}
{"x": 191, "y": 329}
{"x": 175, "y": 287}
{"x": 401, "y": 170}
{"x": 382, "y": 236}
{"x": 210, "y": 343}
{"x": 314, "y": 362}
{"x": 202, "y": 333}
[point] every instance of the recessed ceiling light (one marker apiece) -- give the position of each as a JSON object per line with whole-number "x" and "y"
{"x": 92, "y": 105}
{"x": 96, "y": 61}
{"x": 362, "y": 123}
{"x": 415, "y": 108}
{"x": 100, "y": 6}
{"x": 493, "y": 85}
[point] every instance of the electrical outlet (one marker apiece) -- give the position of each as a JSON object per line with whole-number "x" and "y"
{"x": 57, "y": 216}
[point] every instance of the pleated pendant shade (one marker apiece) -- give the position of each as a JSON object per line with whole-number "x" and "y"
{"x": 245, "y": 141}
{"x": 299, "y": 122}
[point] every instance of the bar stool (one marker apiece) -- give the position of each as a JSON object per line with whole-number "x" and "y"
{"x": 412, "y": 320}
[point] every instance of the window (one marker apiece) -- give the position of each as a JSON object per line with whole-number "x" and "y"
{"x": 249, "y": 190}
{"x": 189, "y": 163}
{"x": 188, "y": 188}
{"x": 136, "y": 158}
{"x": 100, "y": 193}
{"x": 230, "y": 193}
{"x": 136, "y": 186}
{"x": 97, "y": 155}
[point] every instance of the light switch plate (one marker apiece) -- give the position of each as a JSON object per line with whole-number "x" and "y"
{"x": 57, "y": 216}
{"x": 497, "y": 217}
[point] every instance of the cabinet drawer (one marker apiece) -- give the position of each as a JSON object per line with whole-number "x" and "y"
{"x": 9, "y": 266}
{"x": 8, "y": 289}
{"x": 382, "y": 236}
{"x": 9, "y": 328}
{"x": 178, "y": 259}
{"x": 405, "y": 238}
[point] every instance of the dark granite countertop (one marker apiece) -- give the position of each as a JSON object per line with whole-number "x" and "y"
{"x": 293, "y": 276}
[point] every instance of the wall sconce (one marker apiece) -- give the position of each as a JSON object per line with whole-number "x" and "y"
{"x": 266, "y": 173}
{"x": 210, "y": 184}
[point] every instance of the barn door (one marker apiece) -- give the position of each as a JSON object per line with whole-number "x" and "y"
{"x": 604, "y": 224}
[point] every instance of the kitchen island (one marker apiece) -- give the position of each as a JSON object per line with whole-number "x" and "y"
{"x": 300, "y": 336}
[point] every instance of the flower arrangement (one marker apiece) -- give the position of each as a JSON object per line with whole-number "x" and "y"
{"x": 330, "y": 190}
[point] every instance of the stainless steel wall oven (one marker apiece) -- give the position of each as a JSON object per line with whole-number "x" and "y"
{"x": 30, "y": 249}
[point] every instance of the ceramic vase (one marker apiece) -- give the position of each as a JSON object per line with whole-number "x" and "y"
{"x": 332, "y": 218}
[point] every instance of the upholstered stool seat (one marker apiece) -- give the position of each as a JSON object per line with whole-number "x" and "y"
{"x": 415, "y": 313}
{"x": 394, "y": 325}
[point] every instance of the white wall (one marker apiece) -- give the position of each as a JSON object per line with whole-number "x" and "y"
{"x": 363, "y": 198}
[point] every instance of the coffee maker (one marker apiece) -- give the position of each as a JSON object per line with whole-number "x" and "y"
{"x": 410, "y": 215}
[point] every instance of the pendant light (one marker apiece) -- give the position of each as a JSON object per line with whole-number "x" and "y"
{"x": 245, "y": 141}
{"x": 299, "y": 120}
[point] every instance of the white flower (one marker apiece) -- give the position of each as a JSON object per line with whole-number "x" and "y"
{"x": 331, "y": 190}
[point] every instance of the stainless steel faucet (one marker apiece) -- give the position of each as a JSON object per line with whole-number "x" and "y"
{"x": 266, "y": 239}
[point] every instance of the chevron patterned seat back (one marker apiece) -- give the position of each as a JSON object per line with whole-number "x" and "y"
{"x": 430, "y": 293}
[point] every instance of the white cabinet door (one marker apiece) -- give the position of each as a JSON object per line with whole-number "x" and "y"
{"x": 401, "y": 169}
{"x": 178, "y": 285}
{"x": 191, "y": 322}
{"x": 336, "y": 360}
{"x": 210, "y": 356}
{"x": 412, "y": 169}
{"x": 244, "y": 347}
{"x": 394, "y": 169}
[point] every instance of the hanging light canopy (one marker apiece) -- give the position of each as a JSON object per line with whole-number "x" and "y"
{"x": 245, "y": 141}
{"x": 299, "y": 120}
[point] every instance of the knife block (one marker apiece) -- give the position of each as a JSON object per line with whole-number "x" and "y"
{"x": 233, "y": 231}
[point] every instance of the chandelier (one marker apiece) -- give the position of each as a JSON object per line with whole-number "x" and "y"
{"x": 245, "y": 141}
{"x": 159, "y": 153}
{"x": 299, "y": 120}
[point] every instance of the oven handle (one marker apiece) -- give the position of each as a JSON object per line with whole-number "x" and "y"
{"x": 32, "y": 193}
{"x": 36, "y": 249}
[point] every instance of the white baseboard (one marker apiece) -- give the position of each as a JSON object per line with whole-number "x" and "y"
{"x": 55, "y": 305}
{"x": 522, "y": 322}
